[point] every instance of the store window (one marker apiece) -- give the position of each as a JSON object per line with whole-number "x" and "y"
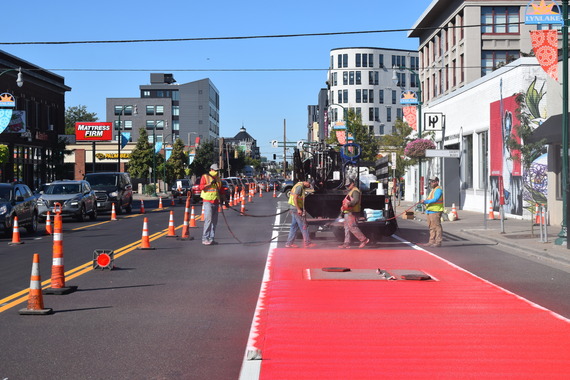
{"x": 500, "y": 20}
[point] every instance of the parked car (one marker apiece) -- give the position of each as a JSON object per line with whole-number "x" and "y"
{"x": 181, "y": 187}
{"x": 16, "y": 199}
{"x": 112, "y": 188}
{"x": 274, "y": 185}
{"x": 286, "y": 187}
{"x": 196, "y": 191}
{"x": 231, "y": 188}
{"x": 76, "y": 199}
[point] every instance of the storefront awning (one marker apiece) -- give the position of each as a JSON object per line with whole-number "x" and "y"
{"x": 550, "y": 131}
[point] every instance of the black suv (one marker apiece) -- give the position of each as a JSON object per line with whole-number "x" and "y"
{"x": 16, "y": 199}
{"x": 112, "y": 188}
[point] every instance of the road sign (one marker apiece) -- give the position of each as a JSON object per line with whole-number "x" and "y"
{"x": 274, "y": 144}
{"x": 445, "y": 153}
{"x": 393, "y": 160}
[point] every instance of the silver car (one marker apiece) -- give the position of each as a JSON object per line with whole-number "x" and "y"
{"x": 76, "y": 199}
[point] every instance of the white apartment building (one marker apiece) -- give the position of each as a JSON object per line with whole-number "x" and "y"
{"x": 360, "y": 79}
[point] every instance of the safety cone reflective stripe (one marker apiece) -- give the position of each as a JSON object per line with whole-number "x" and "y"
{"x": 113, "y": 213}
{"x": 193, "y": 219}
{"x": 274, "y": 193}
{"x": 171, "y": 231}
{"x": 145, "y": 241}
{"x": 16, "y": 233}
{"x": 454, "y": 211}
{"x": 49, "y": 231}
{"x": 202, "y": 214}
{"x": 160, "y": 203}
{"x": 231, "y": 201}
{"x": 491, "y": 212}
{"x": 142, "y": 206}
{"x": 35, "y": 297}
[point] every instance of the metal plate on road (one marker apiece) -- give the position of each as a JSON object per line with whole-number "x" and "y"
{"x": 446, "y": 153}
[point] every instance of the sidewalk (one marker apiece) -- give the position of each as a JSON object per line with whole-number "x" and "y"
{"x": 517, "y": 238}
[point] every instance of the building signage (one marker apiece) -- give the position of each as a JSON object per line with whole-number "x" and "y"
{"x": 409, "y": 97}
{"x": 543, "y": 12}
{"x": 7, "y": 102}
{"x": 433, "y": 121}
{"x": 93, "y": 131}
{"x": 111, "y": 156}
{"x": 445, "y": 153}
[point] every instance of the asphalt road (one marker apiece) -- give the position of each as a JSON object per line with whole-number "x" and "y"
{"x": 184, "y": 310}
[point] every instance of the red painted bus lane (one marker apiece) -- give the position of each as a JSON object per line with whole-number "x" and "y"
{"x": 455, "y": 326}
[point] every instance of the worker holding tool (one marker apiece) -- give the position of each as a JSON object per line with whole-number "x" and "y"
{"x": 212, "y": 194}
{"x": 350, "y": 208}
{"x": 298, "y": 218}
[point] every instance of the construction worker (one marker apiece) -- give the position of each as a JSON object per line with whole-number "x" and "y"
{"x": 212, "y": 194}
{"x": 350, "y": 208}
{"x": 434, "y": 209}
{"x": 297, "y": 211}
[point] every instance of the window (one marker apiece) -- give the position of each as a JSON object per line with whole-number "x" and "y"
{"x": 345, "y": 96}
{"x": 345, "y": 78}
{"x": 381, "y": 97}
{"x": 334, "y": 79}
{"x": 175, "y": 110}
{"x": 150, "y": 124}
{"x": 339, "y": 63}
{"x": 124, "y": 110}
{"x": 370, "y": 60}
{"x": 499, "y": 20}
{"x": 364, "y": 60}
{"x": 146, "y": 94}
{"x": 160, "y": 110}
{"x": 175, "y": 95}
{"x": 358, "y": 112}
{"x": 381, "y": 129}
{"x": 468, "y": 157}
{"x": 345, "y": 60}
{"x": 494, "y": 59}
{"x": 401, "y": 79}
{"x": 381, "y": 60}
{"x": 373, "y": 77}
{"x": 358, "y": 77}
{"x": 150, "y": 110}
{"x": 370, "y": 96}
{"x": 388, "y": 114}
{"x": 365, "y": 96}
{"x": 399, "y": 114}
{"x": 374, "y": 114}
{"x": 175, "y": 125}
{"x": 414, "y": 80}
{"x": 358, "y": 60}
{"x": 127, "y": 124}
{"x": 371, "y": 114}
{"x": 394, "y": 96}
{"x": 351, "y": 77}
{"x": 482, "y": 158}
{"x": 358, "y": 96}
{"x": 339, "y": 96}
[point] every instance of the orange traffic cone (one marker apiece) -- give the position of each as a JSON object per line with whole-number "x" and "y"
{"x": 202, "y": 214}
{"x": 454, "y": 211}
{"x": 537, "y": 214}
{"x": 16, "y": 233}
{"x": 260, "y": 193}
{"x": 160, "y": 203}
{"x": 57, "y": 267}
{"x": 113, "y": 213}
{"x": 172, "y": 200}
{"x": 49, "y": 231}
{"x": 171, "y": 231}
{"x": 242, "y": 210}
{"x": 145, "y": 241}
{"x": 35, "y": 297}
{"x": 142, "y": 207}
{"x": 491, "y": 212}
{"x": 192, "y": 219}
{"x": 274, "y": 192}
{"x": 185, "y": 228}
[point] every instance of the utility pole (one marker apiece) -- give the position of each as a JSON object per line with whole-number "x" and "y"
{"x": 284, "y": 146}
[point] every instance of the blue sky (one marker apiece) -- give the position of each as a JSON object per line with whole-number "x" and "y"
{"x": 258, "y": 100}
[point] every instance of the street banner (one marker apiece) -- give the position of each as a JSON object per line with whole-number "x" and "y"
{"x": 545, "y": 47}
{"x": 89, "y": 131}
{"x": 125, "y": 138}
{"x": 157, "y": 146}
{"x": 411, "y": 117}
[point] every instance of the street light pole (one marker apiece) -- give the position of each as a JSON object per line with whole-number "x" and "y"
{"x": 119, "y": 137}
{"x": 19, "y": 79}
{"x": 419, "y": 94}
{"x": 563, "y": 235}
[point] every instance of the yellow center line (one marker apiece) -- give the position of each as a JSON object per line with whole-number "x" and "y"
{"x": 22, "y": 295}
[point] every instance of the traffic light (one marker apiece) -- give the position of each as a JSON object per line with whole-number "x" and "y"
{"x": 274, "y": 156}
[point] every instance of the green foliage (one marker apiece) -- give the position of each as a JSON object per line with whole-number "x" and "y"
{"x": 203, "y": 159}
{"x": 178, "y": 160}
{"x": 141, "y": 157}
{"x": 396, "y": 142}
{"x": 362, "y": 136}
{"x": 3, "y": 153}
{"x": 56, "y": 160}
{"x": 77, "y": 114}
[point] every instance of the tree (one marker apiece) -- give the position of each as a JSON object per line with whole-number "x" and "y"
{"x": 396, "y": 142}
{"x": 77, "y": 114}
{"x": 204, "y": 158}
{"x": 141, "y": 157}
{"x": 362, "y": 136}
{"x": 178, "y": 160}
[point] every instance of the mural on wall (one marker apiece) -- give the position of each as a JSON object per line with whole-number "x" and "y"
{"x": 521, "y": 190}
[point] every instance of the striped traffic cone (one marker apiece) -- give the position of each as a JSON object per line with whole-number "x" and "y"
{"x": 202, "y": 214}
{"x": 16, "y": 233}
{"x": 35, "y": 297}
{"x": 260, "y": 193}
{"x": 454, "y": 211}
{"x": 274, "y": 192}
{"x": 192, "y": 219}
{"x": 172, "y": 200}
{"x": 171, "y": 231}
{"x": 49, "y": 231}
{"x": 160, "y": 203}
{"x": 113, "y": 213}
{"x": 491, "y": 212}
{"x": 142, "y": 207}
{"x": 57, "y": 268}
{"x": 145, "y": 241}
{"x": 185, "y": 228}
{"x": 242, "y": 210}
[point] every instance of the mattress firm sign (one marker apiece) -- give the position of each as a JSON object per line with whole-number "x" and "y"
{"x": 93, "y": 131}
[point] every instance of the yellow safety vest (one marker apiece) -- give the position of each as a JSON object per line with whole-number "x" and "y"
{"x": 356, "y": 207}
{"x": 436, "y": 206}
{"x": 300, "y": 198}
{"x": 212, "y": 193}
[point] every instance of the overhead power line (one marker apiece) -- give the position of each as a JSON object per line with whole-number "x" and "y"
{"x": 244, "y": 37}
